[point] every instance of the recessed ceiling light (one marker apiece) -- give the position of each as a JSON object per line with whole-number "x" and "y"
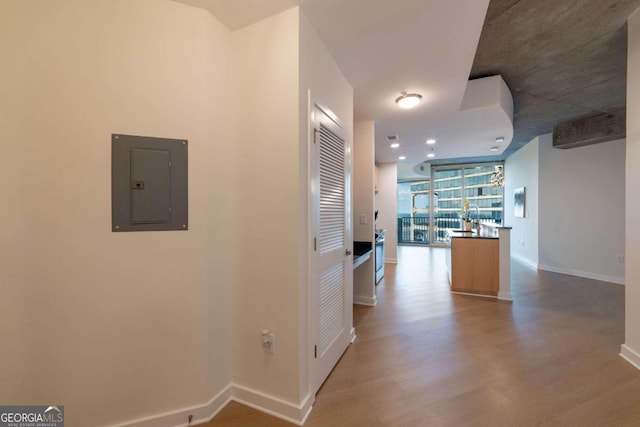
{"x": 494, "y": 148}
{"x": 431, "y": 155}
{"x": 431, "y": 141}
{"x": 408, "y": 100}
{"x": 500, "y": 139}
{"x": 401, "y": 158}
{"x": 395, "y": 145}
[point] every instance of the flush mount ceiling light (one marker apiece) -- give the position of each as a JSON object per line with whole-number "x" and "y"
{"x": 494, "y": 148}
{"x": 500, "y": 140}
{"x": 431, "y": 141}
{"x": 395, "y": 145}
{"x": 401, "y": 158}
{"x": 431, "y": 154}
{"x": 408, "y": 100}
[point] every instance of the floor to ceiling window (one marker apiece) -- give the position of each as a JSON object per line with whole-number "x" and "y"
{"x": 428, "y": 207}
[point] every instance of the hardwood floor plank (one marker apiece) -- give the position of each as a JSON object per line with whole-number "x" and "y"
{"x": 426, "y": 357}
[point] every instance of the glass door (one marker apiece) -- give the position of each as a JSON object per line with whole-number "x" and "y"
{"x": 428, "y": 208}
{"x": 447, "y": 201}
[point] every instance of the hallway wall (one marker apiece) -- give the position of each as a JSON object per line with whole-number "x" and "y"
{"x": 115, "y": 326}
{"x": 271, "y": 202}
{"x": 266, "y": 182}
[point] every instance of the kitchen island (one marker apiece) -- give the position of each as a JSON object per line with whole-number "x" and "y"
{"x": 480, "y": 263}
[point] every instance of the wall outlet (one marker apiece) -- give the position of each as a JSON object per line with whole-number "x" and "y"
{"x": 268, "y": 341}
{"x": 620, "y": 259}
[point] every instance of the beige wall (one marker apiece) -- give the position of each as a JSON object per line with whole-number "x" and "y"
{"x": 266, "y": 187}
{"x": 363, "y": 172}
{"x": 387, "y": 206}
{"x": 271, "y": 242}
{"x": 156, "y": 322}
{"x": 632, "y": 221}
{"x": 364, "y": 291}
{"x": 115, "y": 326}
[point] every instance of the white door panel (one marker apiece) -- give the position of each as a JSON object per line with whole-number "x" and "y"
{"x": 332, "y": 266}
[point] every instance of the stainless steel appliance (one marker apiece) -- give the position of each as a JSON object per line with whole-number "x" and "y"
{"x": 379, "y": 255}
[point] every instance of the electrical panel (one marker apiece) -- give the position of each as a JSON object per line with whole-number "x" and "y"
{"x": 148, "y": 183}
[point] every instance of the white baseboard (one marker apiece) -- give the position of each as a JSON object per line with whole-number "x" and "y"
{"x": 585, "y": 274}
{"x": 473, "y": 295}
{"x": 365, "y": 300}
{"x": 288, "y": 411}
{"x": 201, "y": 414}
{"x": 353, "y": 334}
{"x": 391, "y": 260}
{"x": 505, "y": 296}
{"x": 296, "y": 414}
{"x": 630, "y": 356}
{"x": 525, "y": 261}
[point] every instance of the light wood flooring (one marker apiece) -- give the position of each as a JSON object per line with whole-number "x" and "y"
{"x": 426, "y": 357}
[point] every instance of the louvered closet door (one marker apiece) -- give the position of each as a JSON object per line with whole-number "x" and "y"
{"x": 332, "y": 322}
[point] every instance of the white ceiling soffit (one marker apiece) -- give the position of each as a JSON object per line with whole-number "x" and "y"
{"x": 486, "y": 113}
{"x": 413, "y": 172}
{"x": 235, "y": 14}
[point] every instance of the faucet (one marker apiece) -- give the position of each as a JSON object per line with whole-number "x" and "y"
{"x": 477, "y": 217}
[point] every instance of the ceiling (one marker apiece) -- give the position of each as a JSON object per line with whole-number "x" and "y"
{"x": 562, "y": 60}
{"x": 427, "y": 47}
{"x": 235, "y": 14}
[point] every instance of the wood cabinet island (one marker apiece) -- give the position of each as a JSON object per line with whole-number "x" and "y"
{"x": 479, "y": 263}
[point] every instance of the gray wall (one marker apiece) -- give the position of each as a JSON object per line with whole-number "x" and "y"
{"x": 521, "y": 170}
{"x": 582, "y": 209}
{"x": 575, "y": 203}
